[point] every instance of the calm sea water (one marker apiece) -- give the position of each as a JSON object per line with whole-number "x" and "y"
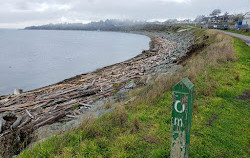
{"x": 31, "y": 59}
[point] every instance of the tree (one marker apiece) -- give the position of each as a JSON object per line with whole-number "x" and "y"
{"x": 199, "y": 18}
{"x": 238, "y": 17}
{"x": 215, "y": 12}
{"x": 225, "y": 16}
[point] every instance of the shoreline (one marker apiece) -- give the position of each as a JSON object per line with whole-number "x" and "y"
{"x": 148, "y": 34}
{"x": 95, "y": 71}
{"x": 75, "y": 76}
{"x": 43, "y": 110}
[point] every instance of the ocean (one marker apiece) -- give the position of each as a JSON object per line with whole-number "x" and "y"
{"x": 31, "y": 59}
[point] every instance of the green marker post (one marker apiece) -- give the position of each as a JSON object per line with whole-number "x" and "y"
{"x": 181, "y": 118}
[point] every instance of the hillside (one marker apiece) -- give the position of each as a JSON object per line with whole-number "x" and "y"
{"x": 218, "y": 67}
{"x": 110, "y": 25}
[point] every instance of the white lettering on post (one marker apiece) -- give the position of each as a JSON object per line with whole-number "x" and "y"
{"x": 175, "y": 106}
{"x": 178, "y": 122}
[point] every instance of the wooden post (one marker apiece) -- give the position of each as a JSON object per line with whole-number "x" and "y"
{"x": 181, "y": 118}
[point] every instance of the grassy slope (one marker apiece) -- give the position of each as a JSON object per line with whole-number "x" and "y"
{"x": 220, "y": 123}
{"x": 142, "y": 129}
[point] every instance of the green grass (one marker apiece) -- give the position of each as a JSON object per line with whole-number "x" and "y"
{"x": 219, "y": 122}
{"x": 243, "y": 32}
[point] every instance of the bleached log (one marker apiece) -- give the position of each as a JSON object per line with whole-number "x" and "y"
{"x": 29, "y": 114}
{"x": 87, "y": 105}
{"x": 50, "y": 119}
{"x": 2, "y": 124}
{"x": 70, "y": 116}
{"x": 4, "y": 100}
{"x": 18, "y": 91}
{"x": 24, "y": 123}
{"x": 17, "y": 122}
{"x": 20, "y": 106}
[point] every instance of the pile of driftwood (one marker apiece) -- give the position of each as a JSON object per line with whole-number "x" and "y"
{"x": 66, "y": 100}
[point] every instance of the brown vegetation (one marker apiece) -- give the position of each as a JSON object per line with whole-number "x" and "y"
{"x": 221, "y": 50}
{"x": 136, "y": 124}
{"x": 119, "y": 117}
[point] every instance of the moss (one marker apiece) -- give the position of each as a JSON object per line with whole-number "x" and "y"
{"x": 117, "y": 85}
{"x": 114, "y": 92}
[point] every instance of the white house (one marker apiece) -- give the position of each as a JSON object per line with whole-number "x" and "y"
{"x": 246, "y": 20}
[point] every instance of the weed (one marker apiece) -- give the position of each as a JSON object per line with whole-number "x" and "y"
{"x": 136, "y": 124}
{"x": 119, "y": 117}
{"x": 117, "y": 85}
{"x": 107, "y": 106}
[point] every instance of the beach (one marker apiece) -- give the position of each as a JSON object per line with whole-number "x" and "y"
{"x": 45, "y": 110}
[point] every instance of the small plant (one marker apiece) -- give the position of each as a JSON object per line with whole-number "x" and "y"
{"x": 114, "y": 92}
{"x": 75, "y": 106}
{"x": 119, "y": 117}
{"x": 117, "y": 85}
{"x": 135, "y": 124}
{"x": 89, "y": 128}
{"x": 107, "y": 106}
{"x": 237, "y": 77}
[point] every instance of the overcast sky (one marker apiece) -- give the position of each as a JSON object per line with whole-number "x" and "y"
{"x": 21, "y": 13}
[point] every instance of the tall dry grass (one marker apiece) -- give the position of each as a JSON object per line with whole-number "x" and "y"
{"x": 220, "y": 49}
{"x": 89, "y": 127}
{"x": 119, "y": 117}
{"x": 135, "y": 124}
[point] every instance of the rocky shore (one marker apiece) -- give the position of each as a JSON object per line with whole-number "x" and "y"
{"x": 37, "y": 114}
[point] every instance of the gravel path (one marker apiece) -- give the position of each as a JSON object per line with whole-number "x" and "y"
{"x": 243, "y": 37}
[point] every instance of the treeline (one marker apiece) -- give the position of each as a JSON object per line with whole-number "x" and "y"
{"x": 109, "y": 25}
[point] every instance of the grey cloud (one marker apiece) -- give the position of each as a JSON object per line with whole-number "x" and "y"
{"x": 32, "y": 12}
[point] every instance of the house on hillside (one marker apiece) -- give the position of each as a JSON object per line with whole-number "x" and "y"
{"x": 230, "y": 19}
{"x": 246, "y": 21}
{"x": 213, "y": 19}
{"x": 218, "y": 19}
{"x": 222, "y": 19}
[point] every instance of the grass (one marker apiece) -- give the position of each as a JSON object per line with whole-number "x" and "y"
{"x": 220, "y": 122}
{"x": 243, "y": 32}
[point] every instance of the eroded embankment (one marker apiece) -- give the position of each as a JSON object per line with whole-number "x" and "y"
{"x": 73, "y": 99}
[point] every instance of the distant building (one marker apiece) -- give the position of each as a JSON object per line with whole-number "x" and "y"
{"x": 185, "y": 21}
{"x": 246, "y": 21}
{"x": 218, "y": 19}
{"x": 230, "y": 19}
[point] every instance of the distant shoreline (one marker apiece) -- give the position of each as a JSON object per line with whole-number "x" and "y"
{"x": 77, "y": 76}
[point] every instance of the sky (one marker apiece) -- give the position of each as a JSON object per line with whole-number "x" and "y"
{"x": 22, "y": 13}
